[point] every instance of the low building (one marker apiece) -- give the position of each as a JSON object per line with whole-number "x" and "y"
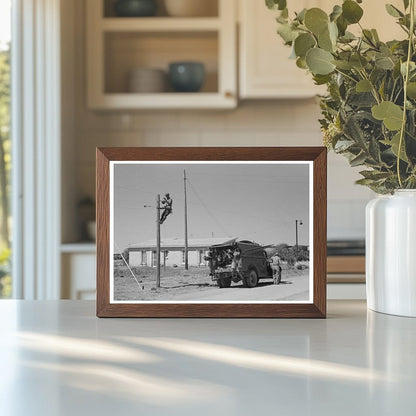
{"x": 172, "y": 252}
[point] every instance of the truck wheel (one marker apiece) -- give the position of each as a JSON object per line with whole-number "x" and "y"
{"x": 226, "y": 282}
{"x": 252, "y": 278}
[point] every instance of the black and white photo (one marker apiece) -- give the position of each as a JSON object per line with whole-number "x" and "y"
{"x": 211, "y": 232}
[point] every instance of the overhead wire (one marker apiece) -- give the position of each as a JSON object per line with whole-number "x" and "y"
{"x": 223, "y": 229}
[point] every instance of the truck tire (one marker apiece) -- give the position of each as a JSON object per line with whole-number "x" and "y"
{"x": 224, "y": 282}
{"x": 252, "y": 278}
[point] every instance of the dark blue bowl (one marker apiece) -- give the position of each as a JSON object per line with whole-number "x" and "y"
{"x": 187, "y": 76}
{"x": 135, "y": 8}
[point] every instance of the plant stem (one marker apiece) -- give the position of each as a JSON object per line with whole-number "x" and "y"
{"x": 406, "y": 80}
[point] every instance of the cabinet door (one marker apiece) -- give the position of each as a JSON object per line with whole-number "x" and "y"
{"x": 265, "y": 68}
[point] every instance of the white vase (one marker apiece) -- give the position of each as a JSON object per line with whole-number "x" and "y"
{"x": 391, "y": 253}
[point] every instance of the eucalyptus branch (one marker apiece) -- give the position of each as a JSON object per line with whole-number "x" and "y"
{"x": 346, "y": 75}
{"x": 406, "y": 80}
{"x": 373, "y": 88}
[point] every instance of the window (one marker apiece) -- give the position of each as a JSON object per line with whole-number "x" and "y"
{"x": 201, "y": 255}
{"x": 144, "y": 258}
{"x": 5, "y": 147}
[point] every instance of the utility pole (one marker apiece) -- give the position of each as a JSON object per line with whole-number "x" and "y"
{"x": 297, "y": 242}
{"x": 186, "y": 221}
{"x": 158, "y": 240}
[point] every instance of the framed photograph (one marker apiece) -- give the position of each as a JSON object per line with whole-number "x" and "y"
{"x": 211, "y": 232}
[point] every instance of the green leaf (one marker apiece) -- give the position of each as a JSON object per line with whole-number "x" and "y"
{"x": 333, "y": 32}
{"x": 352, "y": 12}
{"x": 394, "y": 145}
{"x": 406, "y": 4}
{"x": 320, "y": 61}
{"x": 342, "y": 25}
{"x": 411, "y": 90}
{"x": 325, "y": 42}
{"x": 363, "y": 86}
{"x": 336, "y": 12}
{"x": 374, "y": 175}
{"x": 384, "y": 62}
{"x": 344, "y": 65}
{"x": 276, "y": 4}
{"x": 316, "y": 20}
{"x": 391, "y": 114}
{"x": 358, "y": 61}
{"x": 301, "y": 15}
{"x": 393, "y": 11}
{"x": 375, "y": 35}
{"x": 321, "y": 79}
{"x": 301, "y": 63}
{"x": 358, "y": 160}
{"x": 343, "y": 145}
{"x": 347, "y": 37}
{"x": 303, "y": 43}
{"x": 287, "y": 33}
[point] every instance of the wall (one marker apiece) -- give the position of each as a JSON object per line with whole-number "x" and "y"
{"x": 254, "y": 123}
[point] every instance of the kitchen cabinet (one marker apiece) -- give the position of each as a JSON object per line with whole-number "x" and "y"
{"x": 118, "y": 45}
{"x": 265, "y": 69}
{"x": 78, "y": 263}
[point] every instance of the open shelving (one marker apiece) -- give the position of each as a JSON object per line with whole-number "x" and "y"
{"x": 117, "y": 45}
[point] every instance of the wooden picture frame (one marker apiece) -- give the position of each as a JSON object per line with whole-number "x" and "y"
{"x": 314, "y": 157}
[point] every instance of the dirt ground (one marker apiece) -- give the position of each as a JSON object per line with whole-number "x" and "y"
{"x": 195, "y": 284}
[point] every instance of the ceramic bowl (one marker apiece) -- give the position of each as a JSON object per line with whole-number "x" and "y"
{"x": 135, "y": 8}
{"x": 191, "y": 8}
{"x": 186, "y": 76}
{"x": 147, "y": 80}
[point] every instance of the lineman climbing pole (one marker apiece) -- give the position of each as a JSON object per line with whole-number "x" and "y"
{"x": 166, "y": 207}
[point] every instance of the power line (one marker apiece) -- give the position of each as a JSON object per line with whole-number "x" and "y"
{"x": 207, "y": 209}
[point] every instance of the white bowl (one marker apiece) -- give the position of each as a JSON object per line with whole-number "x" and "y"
{"x": 147, "y": 80}
{"x": 191, "y": 8}
{"x": 92, "y": 230}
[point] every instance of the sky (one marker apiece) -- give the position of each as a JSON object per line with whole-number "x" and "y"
{"x": 5, "y": 19}
{"x": 258, "y": 202}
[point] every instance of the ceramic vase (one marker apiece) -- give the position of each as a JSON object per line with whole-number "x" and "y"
{"x": 391, "y": 253}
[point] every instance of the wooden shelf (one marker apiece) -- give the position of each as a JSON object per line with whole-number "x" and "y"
{"x": 128, "y": 101}
{"x": 160, "y": 24}
{"x": 346, "y": 264}
{"x": 81, "y": 247}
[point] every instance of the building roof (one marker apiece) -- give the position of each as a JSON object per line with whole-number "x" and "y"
{"x": 180, "y": 243}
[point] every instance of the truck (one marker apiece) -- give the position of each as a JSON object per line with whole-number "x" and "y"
{"x": 240, "y": 260}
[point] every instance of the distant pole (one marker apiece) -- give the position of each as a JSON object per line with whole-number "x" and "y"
{"x": 158, "y": 241}
{"x": 298, "y": 222}
{"x": 186, "y": 221}
{"x": 296, "y": 235}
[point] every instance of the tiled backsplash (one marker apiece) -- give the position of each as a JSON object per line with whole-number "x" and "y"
{"x": 288, "y": 123}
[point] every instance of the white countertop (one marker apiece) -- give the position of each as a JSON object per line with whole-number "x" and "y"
{"x": 57, "y": 358}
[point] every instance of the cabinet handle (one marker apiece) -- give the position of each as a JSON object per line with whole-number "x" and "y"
{"x": 229, "y": 94}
